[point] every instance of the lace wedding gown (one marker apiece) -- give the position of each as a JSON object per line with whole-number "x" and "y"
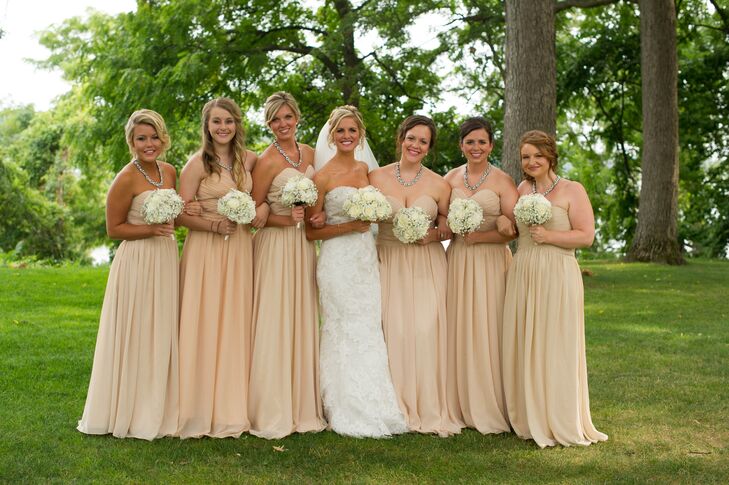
{"x": 357, "y": 392}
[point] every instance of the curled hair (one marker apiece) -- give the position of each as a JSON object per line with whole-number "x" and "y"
{"x": 150, "y": 118}
{"x": 411, "y": 122}
{"x": 338, "y": 114}
{"x": 546, "y": 145}
{"x": 473, "y": 124}
{"x": 209, "y": 157}
{"x": 276, "y": 101}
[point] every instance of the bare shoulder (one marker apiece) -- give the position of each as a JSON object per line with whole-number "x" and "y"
{"x": 250, "y": 160}
{"x": 525, "y": 187}
{"x": 573, "y": 187}
{"x": 306, "y": 148}
{"x": 453, "y": 174}
{"x": 381, "y": 172}
{"x": 168, "y": 168}
{"x": 501, "y": 176}
{"x": 362, "y": 168}
{"x": 437, "y": 179}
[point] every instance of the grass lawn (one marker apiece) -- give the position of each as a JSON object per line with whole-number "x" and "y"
{"x": 658, "y": 362}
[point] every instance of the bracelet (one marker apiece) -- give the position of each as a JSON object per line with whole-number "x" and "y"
{"x": 211, "y": 226}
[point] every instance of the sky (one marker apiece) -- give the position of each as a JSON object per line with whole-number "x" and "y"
{"x": 22, "y": 20}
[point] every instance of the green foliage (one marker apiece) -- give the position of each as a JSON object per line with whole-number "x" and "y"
{"x": 656, "y": 347}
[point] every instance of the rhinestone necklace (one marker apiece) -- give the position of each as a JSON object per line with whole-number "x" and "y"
{"x": 226, "y": 167}
{"x": 474, "y": 187}
{"x": 403, "y": 182}
{"x": 551, "y": 187}
{"x": 141, "y": 170}
{"x": 286, "y": 157}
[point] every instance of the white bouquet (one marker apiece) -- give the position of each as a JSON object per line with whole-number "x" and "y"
{"x": 533, "y": 209}
{"x": 367, "y": 204}
{"x": 299, "y": 190}
{"x": 237, "y": 206}
{"x": 161, "y": 206}
{"x": 410, "y": 224}
{"x": 464, "y": 216}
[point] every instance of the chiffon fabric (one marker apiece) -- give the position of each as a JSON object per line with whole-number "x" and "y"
{"x": 413, "y": 279}
{"x": 544, "y": 365}
{"x": 216, "y": 293}
{"x": 356, "y": 387}
{"x": 133, "y": 388}
{"x": 284, "y": 385}
{"x": 475, "y": 303}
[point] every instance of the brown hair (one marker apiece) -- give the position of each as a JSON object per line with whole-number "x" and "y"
{"x": 150, "y": 118}
{"x": 473, "y": 124}
{"x": 336, "y": 117}
{"x": 209, "y": 157}
{"x": 411, "y": 122}
{"x": 545, "y": 143}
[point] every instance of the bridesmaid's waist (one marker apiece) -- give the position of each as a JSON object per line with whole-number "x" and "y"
{"x": 530, "y": 246}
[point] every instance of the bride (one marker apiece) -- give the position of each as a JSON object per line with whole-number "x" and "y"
{"x": 357, "y": 393}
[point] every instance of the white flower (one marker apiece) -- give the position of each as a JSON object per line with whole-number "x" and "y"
{"x": 410, "y": 224}
{"x": 533, "y": 209}
{"x": 367, "y": 204}
{"x": 464, "y": 216}
{"x": 162, "y": 206}
{"x": 299, "y": 190}
{"x": 237, "y": 206}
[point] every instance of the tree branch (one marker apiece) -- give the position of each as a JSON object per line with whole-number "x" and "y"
{"x": 393, "y": 76}
{"x": 263, "y": 33}
{"x": 722, "y": 14}
{"x": 565, "y": 4}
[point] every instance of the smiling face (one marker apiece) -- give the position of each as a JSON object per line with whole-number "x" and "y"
{"x": 147, "y": 144}
{"x": 534, "y": 162}
{"x": 346, "y": 135}
{"x": 221, "y": 126}
{"x": 283, "y": 123}
{"x": 476, "y": 146}
{"x": 416, "y": 144}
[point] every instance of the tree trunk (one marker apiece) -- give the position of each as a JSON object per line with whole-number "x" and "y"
{"x": 352, "y": 63}
{"x": 530, "y": 95}
{"x": 656, "y": 236}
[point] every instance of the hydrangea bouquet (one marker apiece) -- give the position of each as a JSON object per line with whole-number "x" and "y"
{"x": 464, "y": 216}
{"x": 410, "y": 224}
{"x": 367, "y": 204}
{"x": 533, "y": 209}
{"x": 299, "y": 190}
{"x": 161, "y": 206}
{"x": 237, "y": 206}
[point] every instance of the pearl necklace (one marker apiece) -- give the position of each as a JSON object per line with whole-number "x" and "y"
{"x": 403, "y": 182}
{"x": 551, "y": 187}
{"x": 286, "y": 157}
{"x": 474, "y": 187}
{"x": 141, "y": 170}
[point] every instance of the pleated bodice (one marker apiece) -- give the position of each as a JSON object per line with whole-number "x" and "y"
{"x": 277, "y": 184}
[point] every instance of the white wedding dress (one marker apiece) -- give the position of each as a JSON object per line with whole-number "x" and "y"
{"x": 357, "y": 393}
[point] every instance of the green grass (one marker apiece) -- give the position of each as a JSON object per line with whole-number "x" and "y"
{"x": 658, "y": 359}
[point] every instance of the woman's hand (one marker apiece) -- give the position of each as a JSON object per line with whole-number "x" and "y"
{"x": 505, "y": 227}
{"x": 297, "y": 214}
{"x": 262, "y": 211}
{"x": 431, "y": 237}
{"x": 165, "y": 230}
{"x": 225, "y": 227}
{"x": 539, "y": 234}
{"x": 193, "y": 208}
{"x": 359, "y": 226}
{"x": 318, "y": 220}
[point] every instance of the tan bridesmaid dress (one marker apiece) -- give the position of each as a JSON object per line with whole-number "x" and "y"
{"x": 284, "y": 386}
{"x": 216, "y": 298}
{"x": 475, "y": 303}
{"x": 414, "y": 322}
{"x": 543, "y": 352}
{"x": 133, "y": 389}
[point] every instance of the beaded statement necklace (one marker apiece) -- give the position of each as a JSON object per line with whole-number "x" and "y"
{"x": 146, "y": 176}
{"x": 551, "y": 187}
{"x": 402, "y": 182}
{"x": 286, "y": 157}
{"x": 475, "y": 187}
{"x": 229, "y": 168}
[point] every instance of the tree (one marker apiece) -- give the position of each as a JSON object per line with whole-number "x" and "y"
{"x": 656, "y": 232}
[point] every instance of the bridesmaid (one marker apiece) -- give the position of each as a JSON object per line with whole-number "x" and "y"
{"x": 477, "y": 264}
{"x": 133, "y": 389}
{"x": 216, "y": 282}
{"x": 284, "y": 385}
{"x": 545, "y": 374}
{"x": 413, "y": 280}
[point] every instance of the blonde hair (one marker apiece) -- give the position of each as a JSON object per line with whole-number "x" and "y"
{"x": 276, "y": 101}
{"x": 209, "y": 157}
{"x": 150, "y": 118}
{"x": 336, "y": 117}
{"x": 546, "y": 144}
